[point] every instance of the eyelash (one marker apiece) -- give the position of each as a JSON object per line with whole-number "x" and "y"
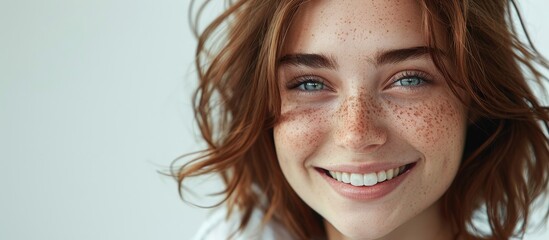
{"x": 299, "y": 82}
{"x": 423, "y": 77}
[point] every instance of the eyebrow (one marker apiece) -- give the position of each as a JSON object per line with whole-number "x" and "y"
{"x": 308, "y": 60}
{"x": 400, "y": 55}
{"x": 383, "y": 57}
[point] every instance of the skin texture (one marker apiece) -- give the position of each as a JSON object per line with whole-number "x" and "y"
{"x": 358, "y": 113}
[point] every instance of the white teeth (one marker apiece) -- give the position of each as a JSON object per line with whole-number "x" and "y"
{"x": 357, "y": 179}
{"x": 381, "y": 176}
{"x": 368, "y": 179}
{"x": 390, "y": 174}
{"x": 345, "y": 177}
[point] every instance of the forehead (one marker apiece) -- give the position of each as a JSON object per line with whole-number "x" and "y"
{"x": 351, "y": 25}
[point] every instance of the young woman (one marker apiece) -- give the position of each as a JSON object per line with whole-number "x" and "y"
{"x": 400, "y": 119}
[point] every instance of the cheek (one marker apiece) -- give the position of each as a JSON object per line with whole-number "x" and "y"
{"x": 433, "y": 125}
{"x": 436, "y": 128}
{"x": 299, "y": 132}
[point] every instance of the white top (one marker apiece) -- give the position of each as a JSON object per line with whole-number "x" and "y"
{"x": 217, "y": 227}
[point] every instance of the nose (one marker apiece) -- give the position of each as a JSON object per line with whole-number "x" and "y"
{"x": 359, "y": 125}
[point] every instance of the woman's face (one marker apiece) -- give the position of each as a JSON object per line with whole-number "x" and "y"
{"x": 370, "y": 135}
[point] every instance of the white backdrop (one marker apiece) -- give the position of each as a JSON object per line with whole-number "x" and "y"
{"x": 94, "y": 100}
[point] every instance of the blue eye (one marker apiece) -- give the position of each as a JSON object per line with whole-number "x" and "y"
{"x": 311, "y": 85}
{"x": 307, "y": 83}
{"x": 409, "y": 81}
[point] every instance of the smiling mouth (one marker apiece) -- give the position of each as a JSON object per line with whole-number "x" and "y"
{"x": 369, "y": 179}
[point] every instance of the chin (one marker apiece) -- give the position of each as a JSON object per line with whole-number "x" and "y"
{"x": 362, "y": 227}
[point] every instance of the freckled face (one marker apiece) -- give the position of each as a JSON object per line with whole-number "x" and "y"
{"x": 359, "y": 95}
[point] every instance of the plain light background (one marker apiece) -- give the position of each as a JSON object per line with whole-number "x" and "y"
{"x": 94, "y": 101}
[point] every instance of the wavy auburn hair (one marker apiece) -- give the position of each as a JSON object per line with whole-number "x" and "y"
{"x": 505, "y": 165}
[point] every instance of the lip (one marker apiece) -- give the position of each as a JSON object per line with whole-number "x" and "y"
{"x": 365, "y": 168}
{"x": 365, "y": 193}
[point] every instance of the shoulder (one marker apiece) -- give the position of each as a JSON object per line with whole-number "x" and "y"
{"x": 218, "y": 226}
